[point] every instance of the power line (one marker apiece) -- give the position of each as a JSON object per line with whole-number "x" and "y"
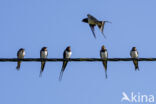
{"x": 74, "y": 59}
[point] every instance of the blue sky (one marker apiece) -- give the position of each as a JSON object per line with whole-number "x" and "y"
{"x": 32, "y": 24}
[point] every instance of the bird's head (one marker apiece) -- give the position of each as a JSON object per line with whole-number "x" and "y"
{"x": 22, "y": 49}
{"x": 134, "y": 49}
{"x": 44, "y": 48}
{"x": 68, "y": 48}
{"x": 89, "y": 15}
{"x": 103, "y": 47}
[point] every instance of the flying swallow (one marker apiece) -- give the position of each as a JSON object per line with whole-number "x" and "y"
{"x": 20, "y": 55}
{"x": 134, "y": 54}
{"x": 43, "y": 54}
{"x": 66, "y": 55}
{"x": 92, "y": 21}
{"x": 104, "y": 55}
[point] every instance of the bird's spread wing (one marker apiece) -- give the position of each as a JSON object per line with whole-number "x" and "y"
{"x": 101, "y": 27}
{"x": 92, "y": 29}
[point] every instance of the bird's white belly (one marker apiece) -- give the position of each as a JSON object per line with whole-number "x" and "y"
{"x": 21, "y": 54}
{"x": 68, "y": 54}
{"x": 104, "y": 55}
{"x": 44, "y": 54}
{"x": 134, "y": 54}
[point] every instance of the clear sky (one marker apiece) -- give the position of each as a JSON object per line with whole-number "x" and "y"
{"x": 32, "y": 24}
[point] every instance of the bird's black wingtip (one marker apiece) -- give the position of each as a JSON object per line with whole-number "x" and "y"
{"x": 61, "y": 75}
{"x": 138, "y": 69}
{"x": 18, "y": 68}
{"x": 106, "y": 73}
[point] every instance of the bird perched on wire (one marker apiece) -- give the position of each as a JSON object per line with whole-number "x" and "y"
{"x": 66, "y": 55}
{"x": 134, "y": 54}
{"x": 20, "y": 55}
{"x": 92, "y": 21}
{"x": 104, "y": 55}
{"x": 43, "y": 55}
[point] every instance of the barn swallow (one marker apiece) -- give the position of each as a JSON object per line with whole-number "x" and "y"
{"x": 92, "y": 21}
{"x": 134, "y": 54}
{"x": 20, "y": 55}
{"x": 66, "y": 55}
{"x": 43, "y": 55}
{"x": 104, "y": 55}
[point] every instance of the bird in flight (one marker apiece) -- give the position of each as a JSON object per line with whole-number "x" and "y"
{"x": 20, "y": 55}
{"x": 92, "y": 21}
{"x": 43, "y": 55}
{"x": 104, "y": 55}
{"x": 66, "y": 55}
{"x": 134, "y": 54}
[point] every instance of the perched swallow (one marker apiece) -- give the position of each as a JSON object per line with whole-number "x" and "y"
{"x": 104, "y": 55}
{"x": 43, "y": 54}
{"x": 20, "y": 55}
{"x": 92, "y": 21}
{"x": 66, "y": 55}
{"x": 134, "y": 54}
